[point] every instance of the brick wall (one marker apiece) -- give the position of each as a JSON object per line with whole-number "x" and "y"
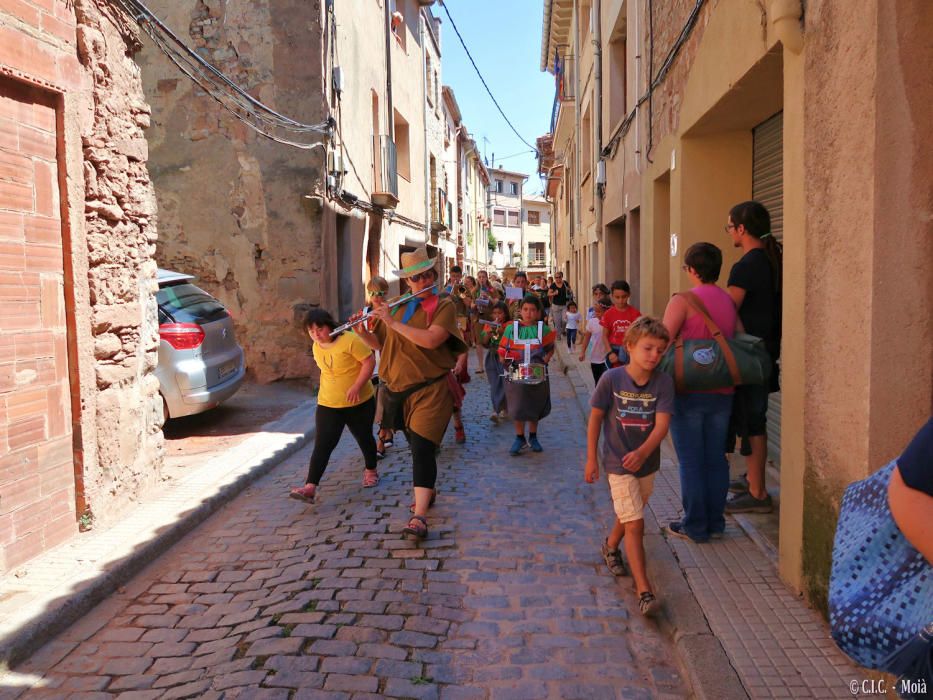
{"x": 669, "y": 19}
{"x": 79, "y": 417}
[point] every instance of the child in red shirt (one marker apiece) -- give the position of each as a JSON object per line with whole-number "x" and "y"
{"x": 616, "y": 321}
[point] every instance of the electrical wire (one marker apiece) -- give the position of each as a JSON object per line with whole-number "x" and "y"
{"x": 218, "y": 86}
{"x": 483, "y": 80}
{"x": 623, "y": 128}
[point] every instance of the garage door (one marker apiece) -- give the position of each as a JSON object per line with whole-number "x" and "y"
{"x": 768, "y": 188}
{"x": 37, "y": 483}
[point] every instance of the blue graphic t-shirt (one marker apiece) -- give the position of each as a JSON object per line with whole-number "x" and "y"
{"x": 630, "y": 410}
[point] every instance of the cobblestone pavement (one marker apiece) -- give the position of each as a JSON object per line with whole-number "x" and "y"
{"x": 272, "y": 598}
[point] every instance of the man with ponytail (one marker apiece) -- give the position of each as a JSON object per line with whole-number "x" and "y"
{"x": 755, "y": 284}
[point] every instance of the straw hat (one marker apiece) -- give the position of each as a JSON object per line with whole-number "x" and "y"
{"x": 415, "y": 262}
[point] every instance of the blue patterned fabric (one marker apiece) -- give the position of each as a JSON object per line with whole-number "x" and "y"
{"x": 881, "y": 588}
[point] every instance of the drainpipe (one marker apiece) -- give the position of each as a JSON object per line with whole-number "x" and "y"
{"x": 390, "y": 114}
{"x": 637, "y": 90}
{"x": 577, "y": 217}
{"x": 427, "y": 160}
{"x": 600, "y": 172}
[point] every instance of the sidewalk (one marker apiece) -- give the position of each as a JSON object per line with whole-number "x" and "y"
{"x": 57, "y": 588}
{"x": 777, "y": 645}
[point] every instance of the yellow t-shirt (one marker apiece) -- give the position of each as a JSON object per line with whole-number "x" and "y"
{"x": 340, "y": 366}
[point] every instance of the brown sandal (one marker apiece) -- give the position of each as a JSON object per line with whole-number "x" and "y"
{"x": 411, "y": 508}
{"x": 417, "y": 527}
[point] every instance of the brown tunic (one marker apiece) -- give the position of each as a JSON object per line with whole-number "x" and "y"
{"x": 404, "y": 364}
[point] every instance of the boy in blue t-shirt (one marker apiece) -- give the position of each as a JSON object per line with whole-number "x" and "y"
{"x": 632, "y": 408}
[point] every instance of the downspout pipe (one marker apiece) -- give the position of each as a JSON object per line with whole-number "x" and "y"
{"x": 424, "y": 101}
{"x": 390, "y": 113}
{"x": 600, "y": 188}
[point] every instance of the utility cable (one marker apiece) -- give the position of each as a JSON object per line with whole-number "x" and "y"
{"x": 657, "y": 80}
{"x": 483, "y": 80}
{"x": 218, "y": 86}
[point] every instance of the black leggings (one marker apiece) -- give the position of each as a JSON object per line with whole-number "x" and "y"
{"x": 329, "y": 423}
{"x": 423, "y": 461}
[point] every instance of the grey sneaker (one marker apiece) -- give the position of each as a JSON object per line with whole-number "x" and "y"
{"x": 739, "y": 485}
{"x": 613, "y": 559}
{"x": 747, "y": 503}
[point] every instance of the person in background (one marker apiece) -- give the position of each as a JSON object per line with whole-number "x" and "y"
{"x": 515, "y": 305}
{"x": 560, "y": 295}
{"x": 701, "y": 418}
{"x": 600, "y": 291}
{"x": 376, "y": 289}
{"x": 345, "y": 400}
{"x": 593, "y": 341}
{"x": 616, "y": 322}
{"x": 489, "y": 336}
{"x": 755, "y": 287}
{"x": 632, "y": 408}
{"x": 573, "y": 322}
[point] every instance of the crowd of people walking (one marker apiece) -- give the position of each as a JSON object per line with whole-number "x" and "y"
{"x": 404, "y": 367}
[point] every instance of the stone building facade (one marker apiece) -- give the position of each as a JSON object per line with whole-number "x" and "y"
{"x": 80, "y": 416}
{"x": 274, "y": 230}
{"x": 765, "y": 100}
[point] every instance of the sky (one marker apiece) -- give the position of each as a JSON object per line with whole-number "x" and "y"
{"x": 504, "y": 38}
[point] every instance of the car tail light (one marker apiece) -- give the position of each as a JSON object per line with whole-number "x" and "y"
{"x": 182, "y": 336}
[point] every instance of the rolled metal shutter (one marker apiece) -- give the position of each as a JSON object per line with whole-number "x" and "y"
{"x": 768, "y": 188}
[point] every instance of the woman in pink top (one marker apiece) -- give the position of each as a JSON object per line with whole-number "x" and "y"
{"x": 701, "y": 419}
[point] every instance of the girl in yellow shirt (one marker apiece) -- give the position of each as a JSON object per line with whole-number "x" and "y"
{"x": 345, "y": 399}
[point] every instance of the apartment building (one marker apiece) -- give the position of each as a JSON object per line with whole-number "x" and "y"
{"x": 666, "y": 115}
{"x": 536, "y": 220}
{"x": 470, "y": 226}
{"x": 506, "y": 193}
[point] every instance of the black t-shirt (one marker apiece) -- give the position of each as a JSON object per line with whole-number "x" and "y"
{"x": 560, "y": 299}
{"x": 753, "y": 274}
{"x": 916, "y": 464}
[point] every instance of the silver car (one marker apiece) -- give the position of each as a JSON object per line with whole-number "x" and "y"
{"x": 200, "y": 362}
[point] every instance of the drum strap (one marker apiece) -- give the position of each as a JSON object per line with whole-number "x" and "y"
{"x": 528, "y": 343}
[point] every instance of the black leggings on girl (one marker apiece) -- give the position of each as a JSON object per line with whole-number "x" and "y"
{"x": 329, "y": 423}
{"x": 424, "y": 461}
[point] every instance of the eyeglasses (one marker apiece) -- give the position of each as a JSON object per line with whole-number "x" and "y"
{"x": 685, "y": 268}
{"x": 728, "y": 227}
{"x": 377, "y": 294}
{"x": 420, "y": 276}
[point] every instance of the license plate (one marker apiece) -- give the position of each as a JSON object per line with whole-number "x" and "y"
{"x": 226, "y": 370}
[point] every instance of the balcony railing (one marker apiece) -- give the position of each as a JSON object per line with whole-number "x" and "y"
{"x": 564, "y": 77}
{"x": 386, "y": 191}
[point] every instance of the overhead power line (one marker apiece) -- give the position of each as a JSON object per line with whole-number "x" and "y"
{"x": 483, "y": 80}
{"x": 259, "y": 117}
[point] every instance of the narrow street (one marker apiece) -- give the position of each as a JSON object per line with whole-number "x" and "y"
{"x": 272, "y": 598}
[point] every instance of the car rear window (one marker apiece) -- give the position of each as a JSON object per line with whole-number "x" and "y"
{"x": 185, "y": 303}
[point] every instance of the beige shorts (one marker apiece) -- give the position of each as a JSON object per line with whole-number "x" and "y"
{"x": 629, "y": 495}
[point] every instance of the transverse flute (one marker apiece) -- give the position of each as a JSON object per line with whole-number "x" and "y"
{"x": 401, "y": 300}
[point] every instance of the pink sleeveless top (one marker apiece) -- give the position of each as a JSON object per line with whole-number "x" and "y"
{"x": 721, "y": 309}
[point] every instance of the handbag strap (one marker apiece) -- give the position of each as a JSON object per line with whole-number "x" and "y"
{"x": 697, "y": 305}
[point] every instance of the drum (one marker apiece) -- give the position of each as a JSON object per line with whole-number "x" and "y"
{"x": 532, "y": 373}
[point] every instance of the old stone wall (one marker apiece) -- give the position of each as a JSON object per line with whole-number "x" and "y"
{"x": 120, "y": 229}
{"x": 669, "y": 19}
{"x": 79, "y": 414}
{"x": 232, "y": 204}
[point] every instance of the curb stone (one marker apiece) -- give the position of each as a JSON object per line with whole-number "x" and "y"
{"x": 47, "y": 618}
{"x": 700, "y": 652}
